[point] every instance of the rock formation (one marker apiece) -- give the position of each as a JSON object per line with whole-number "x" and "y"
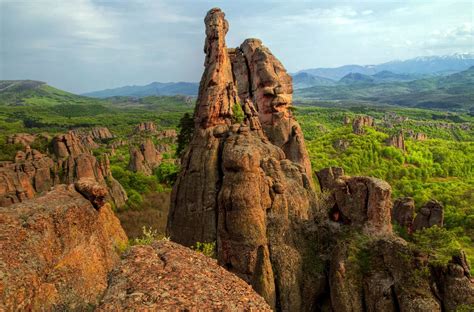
{"x": 346, "y": 120}
{"x": 33, "y": 173}
{"x": 432, "y": 213}
{"x": 145, "y": 158}
{"x": 397, "y": 140}
{"x": 360, "y": 122}
{"x": 167, "y": 134}
{"x": 245, "y": 181}
{"x": 24, "y": 139}
{"x": 404, "y": 211}
{"x": 358, "y": 201}
{"x": 341, "y": 144}
{"x": 30, "y": 173}
{"x": 147, "y": 126}
{"x": 101, "y": 133}
{"x": 56, "y": 252}
{"x": 167, "y": 276}
{"x": 59, "y": 249}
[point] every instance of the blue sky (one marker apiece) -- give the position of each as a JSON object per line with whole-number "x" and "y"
{"x": 86, "y": 45}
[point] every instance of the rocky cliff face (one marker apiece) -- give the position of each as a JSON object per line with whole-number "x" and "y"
{"x": 245, "y": 177}
{"x": 57, "y": 250}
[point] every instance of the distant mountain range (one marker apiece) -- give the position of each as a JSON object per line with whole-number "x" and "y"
{"x": 401, "y": 71}
{"x": 418, "y": 65}
{"x": 450, "y": 92}
{"x": 416, "y": 68}
{"x": 154, "y": 88}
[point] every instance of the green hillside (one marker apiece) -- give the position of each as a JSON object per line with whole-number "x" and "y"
{"x": 33, "y": 106}
{"x": 453, "y": 92}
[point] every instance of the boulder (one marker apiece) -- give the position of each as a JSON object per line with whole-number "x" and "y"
{"x": 168, "y": 276}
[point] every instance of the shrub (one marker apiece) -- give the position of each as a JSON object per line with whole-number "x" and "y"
{"x": 207, "y": 249}
{"x": 238, "y": 113}
{"x": 149, "y": 236}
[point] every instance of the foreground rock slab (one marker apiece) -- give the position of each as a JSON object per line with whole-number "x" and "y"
{"x": 56, "y": 252}
{"x": 168, "y": 276}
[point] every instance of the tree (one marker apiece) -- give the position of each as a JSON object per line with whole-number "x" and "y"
{"x": 186, "y": 131}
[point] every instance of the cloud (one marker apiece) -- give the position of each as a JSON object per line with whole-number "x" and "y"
{"x": 461, "y": 37}
{"x": 84, "y": 45}
{"x": 340, "y": 15}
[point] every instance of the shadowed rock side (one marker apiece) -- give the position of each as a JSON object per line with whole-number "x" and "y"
{"x": 56, "y": 251}
{"x": 170, "y": 277}
{"x": 238, "y": 186}
{"x": 374, "y": 270}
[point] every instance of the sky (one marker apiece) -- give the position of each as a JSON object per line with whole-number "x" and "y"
{"x": 88, "y": 45}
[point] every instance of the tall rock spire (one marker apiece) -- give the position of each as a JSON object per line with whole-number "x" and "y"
{"x": 217, "y": 94}
{"x": 241, "y": 184}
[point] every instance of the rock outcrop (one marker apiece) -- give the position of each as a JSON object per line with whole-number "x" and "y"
{"x": 358, "y": 201}
{"x": 29, "y": 174}
{"x": 145, "y": 158}
{"x": 33, "y": 173}
{"x": 57, "y": 250}
{"x": 167, "y": 134}
{"x": 101, "y": 133}
{"x": 246, "y": 178}
{"x": 382, "y": 275}
{"x": 167, "y": 276}
{"x": 432, "y": 213}
{"x": 24, "y": 139}
{"x": 397, "y": 140}
{"x": 360, "y": 122}
{"x": 147, "y": 126}
{"x": 404, "y": 211}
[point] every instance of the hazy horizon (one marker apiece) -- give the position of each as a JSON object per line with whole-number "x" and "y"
{"x": 88, "y": 45}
